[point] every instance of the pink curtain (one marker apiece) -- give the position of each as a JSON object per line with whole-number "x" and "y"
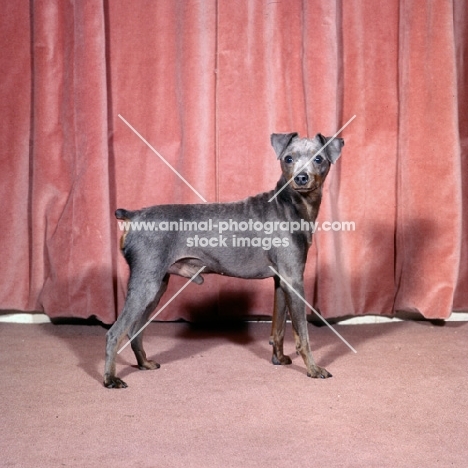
{"x": 206, "y": 82}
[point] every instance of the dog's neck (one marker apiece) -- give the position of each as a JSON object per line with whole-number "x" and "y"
{"x": 306, "y": 204}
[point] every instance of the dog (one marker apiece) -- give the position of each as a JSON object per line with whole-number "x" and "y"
{"x": 153, "y": 255}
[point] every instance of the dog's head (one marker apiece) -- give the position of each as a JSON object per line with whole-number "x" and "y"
{"x": 306, "y": 161}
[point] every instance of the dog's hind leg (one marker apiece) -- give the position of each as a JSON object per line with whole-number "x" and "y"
{"x": 142, "y": 291}
{"x": 278, "y": 326}
{"x": 137, "y": 341}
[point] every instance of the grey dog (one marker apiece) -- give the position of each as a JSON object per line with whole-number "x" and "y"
{"x": 153, "y": 255}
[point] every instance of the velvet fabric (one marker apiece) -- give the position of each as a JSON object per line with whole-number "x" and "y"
{"x": 206, "y": 82}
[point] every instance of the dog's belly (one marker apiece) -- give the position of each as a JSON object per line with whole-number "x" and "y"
{"x": 246, "y": 263}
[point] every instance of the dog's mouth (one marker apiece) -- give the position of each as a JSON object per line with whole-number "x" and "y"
{"x": 306, "y": 189}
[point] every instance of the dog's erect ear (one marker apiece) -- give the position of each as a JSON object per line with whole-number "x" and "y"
{"x": 333, "y": 149}
{"x": 280, "y": 141}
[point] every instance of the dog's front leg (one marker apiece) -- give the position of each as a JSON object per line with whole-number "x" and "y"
{"x": 278, "y": 326}
{"x": 299, "y": 323}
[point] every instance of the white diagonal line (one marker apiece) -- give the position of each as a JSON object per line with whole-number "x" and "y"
{"x": 160, "y": 310}
{"x": 162, "y": 159}
{"x": 313, "y": 310}
{"x": 318, "y": 152}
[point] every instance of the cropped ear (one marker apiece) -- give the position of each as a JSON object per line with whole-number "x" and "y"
{"x": 280, "y": 141}
{"x": 333, "y": 149}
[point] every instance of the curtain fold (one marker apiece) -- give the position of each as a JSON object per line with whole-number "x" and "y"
{"x": 206, "y": 82}
{"x": 71, "y": 246}
{"x": 460, "y": 11}
{"x": 427, "y": 231}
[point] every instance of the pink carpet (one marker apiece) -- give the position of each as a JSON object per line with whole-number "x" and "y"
{"x": 401, "y": 401}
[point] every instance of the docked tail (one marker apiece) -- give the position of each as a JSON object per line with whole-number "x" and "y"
{"x": 120, "y": 213}
{"x": 126, "y": 216}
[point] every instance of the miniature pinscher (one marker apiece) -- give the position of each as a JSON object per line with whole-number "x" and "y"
{"x": 249, "y": 251}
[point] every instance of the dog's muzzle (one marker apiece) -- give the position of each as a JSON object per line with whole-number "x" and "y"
{"x": 301, "y": 179}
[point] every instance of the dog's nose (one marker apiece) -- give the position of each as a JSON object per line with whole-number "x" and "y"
{"x": 301, "y": 179}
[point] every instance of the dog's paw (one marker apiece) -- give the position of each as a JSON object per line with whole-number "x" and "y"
{"x": 319, "y": 373}
{"x": 149, "y": 365}
{"x": 283, "y": 361}
{"x": 114, "y": 382}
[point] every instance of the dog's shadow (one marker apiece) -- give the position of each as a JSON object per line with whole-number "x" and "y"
{"x": 208, "y": 327}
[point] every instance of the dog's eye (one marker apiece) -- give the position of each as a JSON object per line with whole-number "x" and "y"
{"x": 318, "y": 159}
{"x": 288, "y": 159}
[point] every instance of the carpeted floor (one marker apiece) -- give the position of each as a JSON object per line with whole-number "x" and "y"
{"x": 217, "y": 401}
